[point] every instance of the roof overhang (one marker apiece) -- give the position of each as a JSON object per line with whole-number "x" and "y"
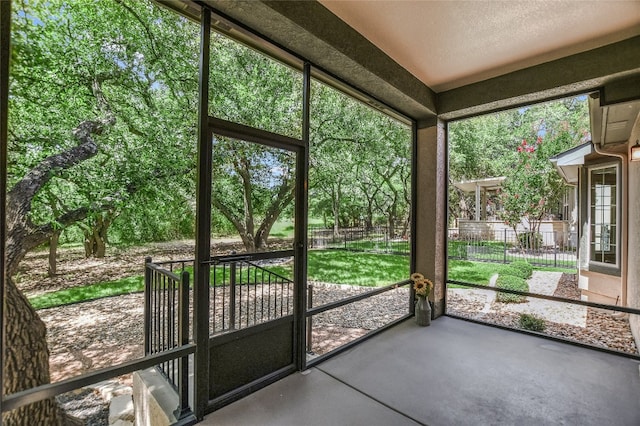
{"x": 488, "y": 184}
{"x": 613, "y": 112}
{"x": 568, "y": 163}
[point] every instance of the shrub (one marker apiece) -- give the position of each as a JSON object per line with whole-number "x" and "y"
{"x": 531, "y": 322}
{"x": 524, "y": 266}
{"x": 510, "y": 282}
{"x": 530, "y": 240}
{"x": 511, "y": 270}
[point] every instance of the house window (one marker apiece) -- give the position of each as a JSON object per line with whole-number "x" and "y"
{"x": 603, "y": 218}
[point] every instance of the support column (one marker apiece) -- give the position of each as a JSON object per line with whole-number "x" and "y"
{"x": 478, "y": 202}
{"x": 431, "y": 209}
{"x": 633, "y": 235}
{"x": 203, "y": 228}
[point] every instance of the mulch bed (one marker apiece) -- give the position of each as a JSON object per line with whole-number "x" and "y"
{"x": 604, "y": 328}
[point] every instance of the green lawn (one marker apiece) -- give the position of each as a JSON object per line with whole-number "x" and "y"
{"x": 366, "y": 269}
{"x": 88, "y": 292}
{"x": 334, "y": 266}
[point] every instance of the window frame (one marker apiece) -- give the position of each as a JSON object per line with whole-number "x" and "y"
{"x": 595, "y": 265}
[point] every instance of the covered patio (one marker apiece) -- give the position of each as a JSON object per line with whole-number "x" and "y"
{"x": 452, "y": 373}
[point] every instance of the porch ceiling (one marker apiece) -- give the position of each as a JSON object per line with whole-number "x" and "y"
{"x": 448, "y": 44}
{"x": 487, "y": 184}
{"x": 454, "y": 59}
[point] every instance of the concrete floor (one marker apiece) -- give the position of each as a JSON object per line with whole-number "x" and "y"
{"x": 451, "y": 373}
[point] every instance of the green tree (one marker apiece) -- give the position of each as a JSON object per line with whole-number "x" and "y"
{"x": 360, "y": 162}
{"x": 487, "y": 146}
{"x": 253, "y": 185}
{"x": 100, "y": 94}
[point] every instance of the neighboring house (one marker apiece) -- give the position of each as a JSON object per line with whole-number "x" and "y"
{"x": 558, "y": 229}
{"x": 606, "y": 172}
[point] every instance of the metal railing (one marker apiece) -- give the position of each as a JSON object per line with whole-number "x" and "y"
{"x": 377, "y": 239}
{"x": 166, "y": 327}
{"x": 244, "y": 293}
{"x": 556, "y": 249}
{"x": 165, "y": 355}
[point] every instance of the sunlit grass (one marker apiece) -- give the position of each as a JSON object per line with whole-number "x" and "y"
{"x": 332, "y": 266}
{"x": 472, "y": 272}
{"x": 365, "y": 269}
{"x": 88, "y": 292}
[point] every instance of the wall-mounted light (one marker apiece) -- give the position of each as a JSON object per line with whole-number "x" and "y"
{"x": 635, "y": 151}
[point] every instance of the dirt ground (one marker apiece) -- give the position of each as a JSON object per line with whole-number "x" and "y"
{"x": 74, "y": 270}
{"x": 92, "y": 335}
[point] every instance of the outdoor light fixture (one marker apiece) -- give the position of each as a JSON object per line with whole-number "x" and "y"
{"x": 635, "y": 151}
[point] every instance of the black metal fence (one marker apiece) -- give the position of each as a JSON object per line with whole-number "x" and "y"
{"x": 554, "y": 248}
{"x": 167, "y": 323}
{"x": 377, "y": 239}
{"x": 244, "y": 293}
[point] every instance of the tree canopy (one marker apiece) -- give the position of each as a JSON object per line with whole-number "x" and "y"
{"x": 516, "y": 144}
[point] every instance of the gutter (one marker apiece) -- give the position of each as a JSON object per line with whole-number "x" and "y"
{"x": 624, "y": 258}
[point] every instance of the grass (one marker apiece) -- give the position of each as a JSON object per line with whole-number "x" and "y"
{"x": 88, "y": 292}
{"x": 511, "y": 282}
{"x": 282, "y": 229}
{"x": 364, "y": 269}
{"x": 335, "y": 266}
{"x": 368, "y": 245}
{"x": 472, "y": 272}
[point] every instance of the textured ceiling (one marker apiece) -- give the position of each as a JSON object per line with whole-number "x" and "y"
{"x": 448, "y": 44}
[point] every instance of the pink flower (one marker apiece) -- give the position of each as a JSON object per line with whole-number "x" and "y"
{"x": 539, "y": 141}
{"x": 524, "y": 142}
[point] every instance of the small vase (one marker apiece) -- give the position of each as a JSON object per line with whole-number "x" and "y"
{"x": 423, "y": 312}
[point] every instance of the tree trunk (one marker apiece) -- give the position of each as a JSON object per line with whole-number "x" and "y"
{"x": 248, "y": 241}
{"x": 53, "y": 253}
{"x": 26, "y": 360}
{"x": 88, "y": 243}
{"x": 26, "y": 355}
{"x": 95, "y": 236}
{"x": 335, "y": 207}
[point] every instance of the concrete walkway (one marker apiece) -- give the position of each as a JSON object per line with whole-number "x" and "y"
{"x": 563, "y": 313}
{"x": 541, "y": 282}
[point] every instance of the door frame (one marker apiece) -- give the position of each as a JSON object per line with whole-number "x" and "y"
{"x": 241, "y": 132}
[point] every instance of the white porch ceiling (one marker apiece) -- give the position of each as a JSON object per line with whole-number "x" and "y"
{"x": 448, "y": 44}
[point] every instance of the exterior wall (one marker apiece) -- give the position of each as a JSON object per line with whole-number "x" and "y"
{"x": 633, "y": 271}
{"x": 600, "y": 288}
{"x": 494, "y": 230}
{"x": 625, "y": 288}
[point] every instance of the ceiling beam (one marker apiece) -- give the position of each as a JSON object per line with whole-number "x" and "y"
{"x": 582, "y": 72}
